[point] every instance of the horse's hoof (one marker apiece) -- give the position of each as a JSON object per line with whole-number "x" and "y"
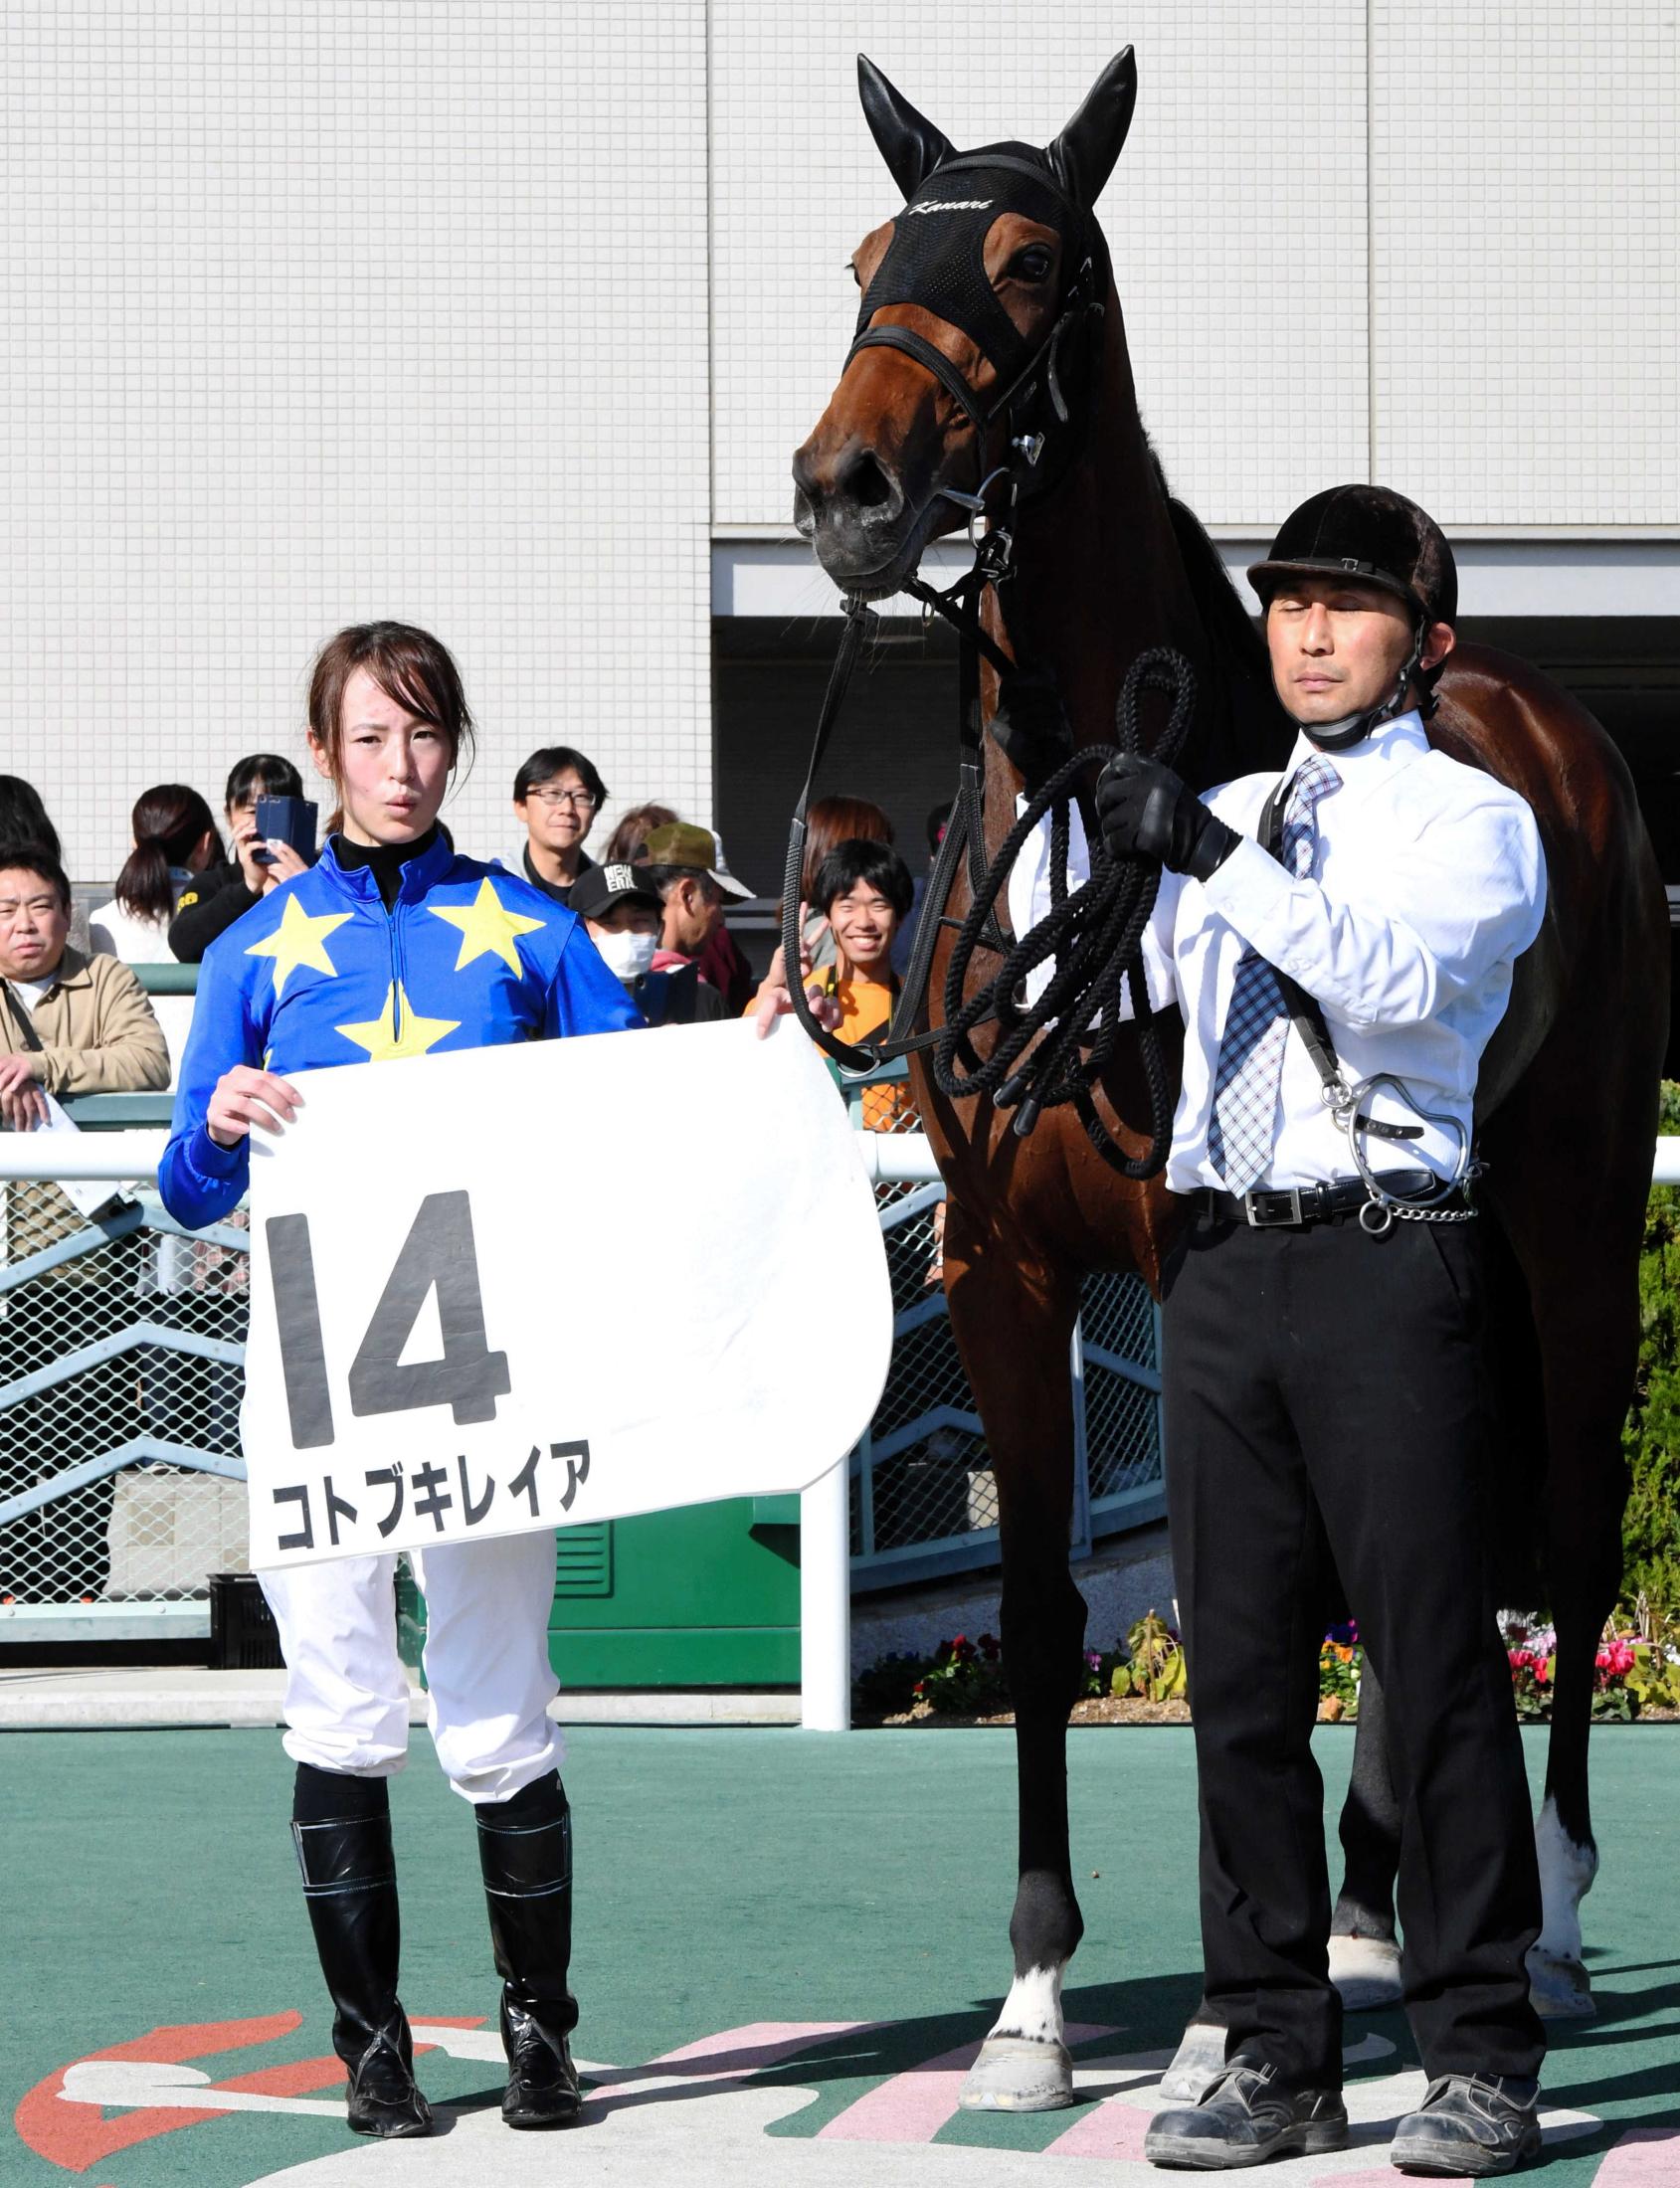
{"x": 1200, "y": 2055}
{"x": 1560, "y": 1988}
{"x": 1366, "y": 1970}
{"x": 1014, "y": 2075}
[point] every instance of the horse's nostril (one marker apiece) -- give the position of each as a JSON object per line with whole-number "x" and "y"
{"x": 866, "y": 484}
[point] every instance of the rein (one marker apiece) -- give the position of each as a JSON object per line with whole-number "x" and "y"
{"x": 1094, "y": 934}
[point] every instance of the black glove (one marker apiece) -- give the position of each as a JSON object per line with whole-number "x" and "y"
{"x": 1031, "y": 728}
{"x": 1147, "y": 813}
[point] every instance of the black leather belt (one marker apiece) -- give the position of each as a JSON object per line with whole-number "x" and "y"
{"x": 1292, "y": 1207}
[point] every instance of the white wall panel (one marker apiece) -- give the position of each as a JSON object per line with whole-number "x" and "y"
{"x": 1236, "y": 219}
{"x": 1526, "y": 205}
{"x": 337, "y": 308}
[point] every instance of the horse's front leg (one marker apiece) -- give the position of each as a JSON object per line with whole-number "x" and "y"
{"x": 1014, "y": 1320}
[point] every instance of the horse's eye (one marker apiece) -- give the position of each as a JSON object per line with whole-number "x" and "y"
{"x": 1032, "y": 264}
{"x": 851, "y": 269}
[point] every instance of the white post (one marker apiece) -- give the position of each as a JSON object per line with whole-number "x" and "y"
{"x": 825, "y": 1603}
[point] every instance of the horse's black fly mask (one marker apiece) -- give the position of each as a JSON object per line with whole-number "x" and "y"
{"x": 937, "y": 259}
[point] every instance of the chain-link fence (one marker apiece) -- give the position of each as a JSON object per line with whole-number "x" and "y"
{"x": 122, "y": 1351}
{"x": 924, "y": 1498}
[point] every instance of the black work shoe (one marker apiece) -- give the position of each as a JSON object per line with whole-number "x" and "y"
{"x": 1244, "y": 2117}
{"x": 542, "y": 2082}
{"x": 383, "y": 2100}
{"x": 1468, "y": 2127}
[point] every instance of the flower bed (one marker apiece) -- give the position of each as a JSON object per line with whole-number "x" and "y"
{"x": 1142, "y": 1680}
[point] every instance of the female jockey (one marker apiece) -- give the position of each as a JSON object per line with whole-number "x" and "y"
{"x": 393, "y": 946}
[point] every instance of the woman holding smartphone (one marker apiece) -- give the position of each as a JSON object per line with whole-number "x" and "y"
{"x": 393, "y": 946}
{"x": 228, "y": 889}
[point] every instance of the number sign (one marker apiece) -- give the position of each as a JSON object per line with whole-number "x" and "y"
{"x": 511, "y": 1288}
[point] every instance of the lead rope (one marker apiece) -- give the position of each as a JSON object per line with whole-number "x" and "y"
{"x": 1094, "y": 934}
{"x": 1095, "y": 937}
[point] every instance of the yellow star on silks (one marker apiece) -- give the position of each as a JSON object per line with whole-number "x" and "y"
{"x": 397, "y": 1032}
{"x": 487, "y": 928}
{"x": 298, "y": 940}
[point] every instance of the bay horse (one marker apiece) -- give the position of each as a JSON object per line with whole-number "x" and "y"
{"x": 1105, "y": 565}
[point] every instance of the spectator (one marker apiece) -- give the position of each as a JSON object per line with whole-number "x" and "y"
{"x": 23, "y": 820}
{"x": 831, "y": 822}
{"x": 632, "y": 832}
{"x": 621, "y": 910}
{"x": 69, "y": 1024}
{"x": 863, "y": 890}
{"x": 686, "y": 863}
{"x": 557, "y": 794}
{"x": 72, "y": 1023}
{"x": 229, "y": 888}
{"x": 721, "y": 962}
{"x": 175, "y": 839}
{"x": 904, "y": 941}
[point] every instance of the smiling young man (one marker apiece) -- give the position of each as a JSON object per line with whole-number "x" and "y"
{"x": 1323, "y": 1384}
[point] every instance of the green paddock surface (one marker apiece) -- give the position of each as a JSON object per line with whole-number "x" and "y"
{"x": 818, "y": 1922}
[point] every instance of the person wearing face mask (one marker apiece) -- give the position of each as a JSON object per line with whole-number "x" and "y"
{"x": 621, "y": 910}
{"x": 1357, "y": 920}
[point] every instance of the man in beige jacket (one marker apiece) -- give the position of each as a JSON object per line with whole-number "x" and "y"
{"x": 69, "y": 1024}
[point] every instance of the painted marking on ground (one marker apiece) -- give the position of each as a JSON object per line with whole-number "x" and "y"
{"x": 914, "y": 2107}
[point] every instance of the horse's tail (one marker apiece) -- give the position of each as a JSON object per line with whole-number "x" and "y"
{"x": 1518, "y": 1458}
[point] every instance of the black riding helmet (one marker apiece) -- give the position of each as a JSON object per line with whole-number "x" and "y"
{"x": 1377, "y": 537}
{"x": 1370, "y": 533}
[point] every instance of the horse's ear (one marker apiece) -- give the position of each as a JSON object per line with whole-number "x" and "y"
{"x": 909, "y": 143}
{"x": 1083, "y": 155}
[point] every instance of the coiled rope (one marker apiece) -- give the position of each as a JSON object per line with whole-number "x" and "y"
{"x": 1095, "y": 935}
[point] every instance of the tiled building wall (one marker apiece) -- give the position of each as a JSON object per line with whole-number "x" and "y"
{"x": 339, "y": 309}
{"x": 1525, "y": 276}
{"x": 490, "y": 315}
{"x": 1236, "y": 219}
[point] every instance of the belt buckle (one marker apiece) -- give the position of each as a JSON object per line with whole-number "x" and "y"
{"x": 1273, "y": 1209}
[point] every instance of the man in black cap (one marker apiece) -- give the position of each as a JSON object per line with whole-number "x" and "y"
{"x": 622, "y": 909}
{"x": 1352, "y": 927}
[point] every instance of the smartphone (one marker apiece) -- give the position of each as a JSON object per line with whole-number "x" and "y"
{"x": 285, "y": 820}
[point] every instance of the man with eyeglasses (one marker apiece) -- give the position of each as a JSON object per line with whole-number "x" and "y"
{"x": 557, "y": 794}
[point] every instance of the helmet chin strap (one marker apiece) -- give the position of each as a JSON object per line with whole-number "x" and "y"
{"x": 1352, "y": 728}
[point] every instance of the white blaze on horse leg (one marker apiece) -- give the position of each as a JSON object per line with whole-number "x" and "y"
{"x": 1367, "y": 1971}
{"x": 1024, "y": 2065}
{"x": 1033, "y": 2009}
{"x": 1558, "y": 1978}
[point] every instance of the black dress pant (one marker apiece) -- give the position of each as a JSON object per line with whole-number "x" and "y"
{"x": 1324, "y": 1416}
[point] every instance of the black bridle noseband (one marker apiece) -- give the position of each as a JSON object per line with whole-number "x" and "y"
{"x": 1093, "y": 934}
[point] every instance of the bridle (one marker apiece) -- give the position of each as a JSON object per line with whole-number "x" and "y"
{"x": 1093, "y": 934}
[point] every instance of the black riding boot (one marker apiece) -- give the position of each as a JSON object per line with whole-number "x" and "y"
{"x": 351, "y": 1889}
{"x": 525, "y": 1852}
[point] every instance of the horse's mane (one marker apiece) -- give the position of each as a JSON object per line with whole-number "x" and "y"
{"x": 1245, "y": 731}
{"x": 1251, "y": 733}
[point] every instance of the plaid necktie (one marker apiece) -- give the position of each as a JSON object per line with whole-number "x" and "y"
{"x": 1250, "y": 1066}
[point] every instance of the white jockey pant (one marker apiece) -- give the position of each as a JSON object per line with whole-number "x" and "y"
{"x": 487, "y": 1673}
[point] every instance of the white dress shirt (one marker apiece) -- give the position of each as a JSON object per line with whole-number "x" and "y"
{"x": 1427, "y": 884}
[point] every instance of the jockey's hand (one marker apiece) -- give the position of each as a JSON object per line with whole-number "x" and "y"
{"x": 774, "y": 1000}
{"x": 1146, "y": 811}
{"x": 244, "y": 1097}
{"x": 1032, "y": 729}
